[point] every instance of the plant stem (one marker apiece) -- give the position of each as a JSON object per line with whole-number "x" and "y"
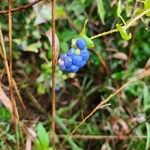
{"x": 101, "y": 137}
{"x": 130, "y": 23}
{"x": 10, "y": 48}
{"x": 21, "y": 8}
{"x": 53, "y": 75}
{"x": 103, "y": 34}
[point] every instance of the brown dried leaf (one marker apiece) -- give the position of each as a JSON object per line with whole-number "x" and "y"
{"x": 147, "y": 64}
{"x": 5, "y": 100}
{"x": 31, "y": 132}
{"x": 31, "y": 135}
{"x": 28, "y": 143}
{"x": 124, "y": 125}
{"x": 57, "y": 46}
{"x": 120, "y": 55}
{"x": 42, "y": 12}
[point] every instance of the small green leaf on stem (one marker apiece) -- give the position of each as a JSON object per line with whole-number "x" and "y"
{"x": 147, "y": 6}
{"x": 119, "y": 8}
{"x": 83, "y": 35}
{"x": 119, "y": 11}
{"x": 101, "y": 10}
{"x": 123, "y": 32}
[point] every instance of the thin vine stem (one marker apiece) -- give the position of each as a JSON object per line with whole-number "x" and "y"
{"x": 53, "y": 76}
{"x": 129, "y": 24}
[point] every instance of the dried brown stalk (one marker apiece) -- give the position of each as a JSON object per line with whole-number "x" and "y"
{"x": 21, "y": 8}
{"x": 103, "y": 137}
{"x": 53, "y": 75}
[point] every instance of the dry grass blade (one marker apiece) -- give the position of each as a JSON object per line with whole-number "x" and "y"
{"x": 3, "y": 55}
{"x": 28, "y": 143}
{"x": 102, "y": 61}
{"x": 15, "y": 111}
{"x": 5, "y": 100}
{"x": 101, "y": 137}
{"x": 10, "y": 36}
{"x": 10, "y": 49}
{"x": 31, "y": 135}
{"x": 120, "y": 55}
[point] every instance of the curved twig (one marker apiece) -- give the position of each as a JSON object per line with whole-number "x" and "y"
{"x": 21, "y": 8}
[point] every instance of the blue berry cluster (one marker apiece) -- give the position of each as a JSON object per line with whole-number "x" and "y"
{"x": 75, "y": 58}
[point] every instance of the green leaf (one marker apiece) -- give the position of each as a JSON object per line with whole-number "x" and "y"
{"x": 129, "y": 8}
{"x": 60, "y": 12}
{"x": 65, "y": 129}
{"x": 4, "y": 114}
{"x": 83, "y": 35}
{"x": 129, "y": 1}
{"x": 123, "y": 32}
{"x": 89, "y": 42}
{"x": 147, "y": 6}
{"x": 146, "y": 99}
{"x": 101, "y": 10}
{"x": 42, "y": 138}
{"x": 119, "y": 8}
{"x": 148, "y": 136}
{"x": 118, "y": 75}
{"x": 41, "y": 89}
{"x": 33, "y": 47}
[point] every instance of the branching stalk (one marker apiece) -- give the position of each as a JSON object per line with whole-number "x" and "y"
{"x": 129, "y": 24}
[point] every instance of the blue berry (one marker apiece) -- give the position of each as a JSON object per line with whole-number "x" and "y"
{"x": 85, "y": 54}
{"x": 57, "y": 89}
{"x": 72, "y": 68}
{"x": 62, "y": 66}
{"x": 66, "y": 59}
{"x": 71, "y": 52}
{"x": 77, "y": 60}
{"x": 83, "y": 63}
{"x": 68, "y": 62}
{"x": 80, "y": 43}
{"x": 63, "y": 56}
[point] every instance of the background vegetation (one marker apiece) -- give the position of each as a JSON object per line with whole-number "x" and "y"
{"x": 118, "y": 64}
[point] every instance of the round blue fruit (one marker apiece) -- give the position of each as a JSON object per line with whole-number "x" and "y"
{"x": 72, "y": 68}
{"x": 71, "y": 52}
{"x": 85, "y": 54}
{"x": 80, "y": 43}
{"x": 68, "y": 62}
{"x": 62, "y": 66}
{"x": 83, "y": 63}
{"x": 66, "y": 59}
{"x": 77, "y": 60}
